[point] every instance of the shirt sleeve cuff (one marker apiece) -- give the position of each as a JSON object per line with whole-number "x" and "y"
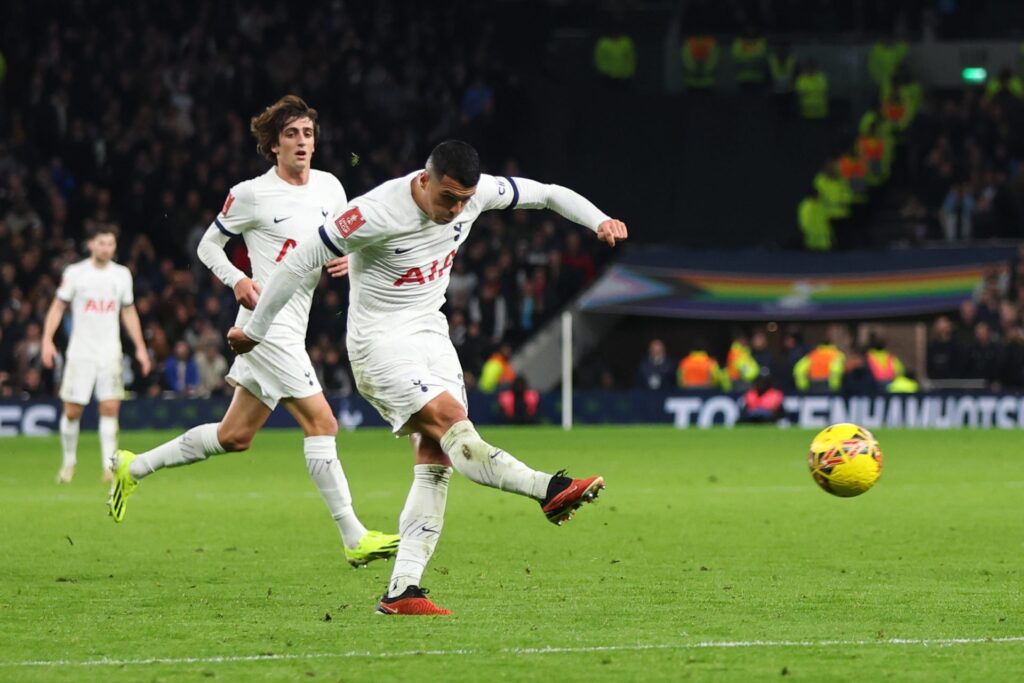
{"x": 252, "y": 335}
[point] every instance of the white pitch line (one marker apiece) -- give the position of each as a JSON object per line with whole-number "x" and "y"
{"x": 700, "y": 645}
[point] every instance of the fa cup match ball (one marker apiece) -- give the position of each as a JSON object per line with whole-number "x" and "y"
{"x": 845, "y": 460}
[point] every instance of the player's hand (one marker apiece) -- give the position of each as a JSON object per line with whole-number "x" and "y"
{"x": 247, "y": 292}
{"x": 145, "y": 365}
{"x": 338, "y": 267}
{"x": 611, "y": 231}
{"x": 239, "y": 341}
{"x": 47, "y": 353}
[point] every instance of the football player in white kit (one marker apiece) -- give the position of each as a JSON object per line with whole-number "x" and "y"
{"x": 273, "y": 213}
{"x": 401, "y": 239}
{"x": 100, "y": 294}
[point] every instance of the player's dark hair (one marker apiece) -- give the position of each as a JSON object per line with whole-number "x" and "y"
{"x": 457, "y": 160}
{"x": 266, "y": 127}
{"x": 103, "y": 229}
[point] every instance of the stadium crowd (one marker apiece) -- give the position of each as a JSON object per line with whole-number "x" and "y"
{"x": 984, "y": 341}
{"x": 137, "y": 115}
{"x": 966, "y": 182}
{"x": 982, "y": 345}
{"x": 98, "y": 140}
{"x": 954, "y": 157}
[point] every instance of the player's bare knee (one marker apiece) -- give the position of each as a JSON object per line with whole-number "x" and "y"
{"x": 234, "y": 440}
{"x": 73, "y": 411}
{"x": 431, "y": 458}
{"x": 323, "y": 425}
{"x": 235, "y": 443}
{"x": 428, "y": 452}
{"x": 443, "y": 419}
{"x": 453, "y": 415}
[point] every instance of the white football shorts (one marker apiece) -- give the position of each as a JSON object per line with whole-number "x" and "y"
{"x": 83, "y": 377}
{"x": 399, "y": 376}
{"x": 271, "y": 372}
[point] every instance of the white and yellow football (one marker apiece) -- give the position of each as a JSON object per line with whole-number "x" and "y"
{"x": 845, "y": 460}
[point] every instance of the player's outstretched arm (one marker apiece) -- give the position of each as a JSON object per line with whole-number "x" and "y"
{"x": 310, "y": 256}
{"x": 211, "y": 253}
{"x": 53, "y": 316}
{"x": 569, "y": 204}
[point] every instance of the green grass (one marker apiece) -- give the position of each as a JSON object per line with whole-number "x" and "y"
{"x": 702, "y": 539}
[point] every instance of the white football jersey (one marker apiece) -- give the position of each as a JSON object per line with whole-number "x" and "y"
{"x": 273, "y": 217}
{"x": 400, "y": 260}
{"x": 96, "y": 296}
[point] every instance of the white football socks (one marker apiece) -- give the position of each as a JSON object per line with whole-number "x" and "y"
{"x": 108, "y": 439}
{"x": 476, "y": 459}
{"x": 192, "y": 446}
{"x": 326, "y": 472}
{"x": 420, "y": 525}
{"x": 69, "y": 440}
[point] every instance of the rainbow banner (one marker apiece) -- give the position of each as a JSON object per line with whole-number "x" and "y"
{"x": 793, "y": 286}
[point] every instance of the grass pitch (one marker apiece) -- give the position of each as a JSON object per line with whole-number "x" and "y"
{"x": 711, "y": 556}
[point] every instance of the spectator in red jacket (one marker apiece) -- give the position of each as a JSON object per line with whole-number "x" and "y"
{"x": 762, "y": 402}
{"x": 519, "y": 403}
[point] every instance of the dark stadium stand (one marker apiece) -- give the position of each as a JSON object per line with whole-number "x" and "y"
{"x": 138, "y": 116}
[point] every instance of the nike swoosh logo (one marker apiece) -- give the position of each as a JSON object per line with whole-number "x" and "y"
{"x": 402, "y": 251}
{"x": 278, "y": 220}
{"x": 428, "y": 529}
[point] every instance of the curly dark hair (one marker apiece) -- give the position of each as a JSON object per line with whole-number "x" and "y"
{"x": 266, "y": 127}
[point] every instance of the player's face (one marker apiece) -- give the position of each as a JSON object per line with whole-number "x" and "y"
{"x": 447, "y": 198}
{"x": 102, "y": 247}
{"x": 294, "y": 148}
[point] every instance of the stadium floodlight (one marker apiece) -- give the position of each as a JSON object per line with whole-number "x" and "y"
{"x": 974, "y": 74}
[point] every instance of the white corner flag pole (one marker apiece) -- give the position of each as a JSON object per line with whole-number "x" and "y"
{"x": 567, "y": 370}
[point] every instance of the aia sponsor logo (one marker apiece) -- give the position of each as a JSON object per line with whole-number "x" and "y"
{"x": 100, "y": 306}
{"x": 435, "y": 271}
{"x": 227, "y": 204}
{"x": 350, "y": 221}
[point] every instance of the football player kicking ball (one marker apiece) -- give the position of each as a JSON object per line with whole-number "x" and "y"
{"x": 99, "y": 293}
{"x": 401, "y": 239}
{"x": 273, "y": 213}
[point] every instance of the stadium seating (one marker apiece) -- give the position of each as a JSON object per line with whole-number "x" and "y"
{"x": 158, "y": 161}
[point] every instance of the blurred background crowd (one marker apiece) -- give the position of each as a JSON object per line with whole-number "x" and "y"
{"x": 91, "y": 137}
{"x": 137, "y": 115}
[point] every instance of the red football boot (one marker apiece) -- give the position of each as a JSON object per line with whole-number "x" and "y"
{"x": 566, "y": 495}
{"x": 412, "y": 601}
